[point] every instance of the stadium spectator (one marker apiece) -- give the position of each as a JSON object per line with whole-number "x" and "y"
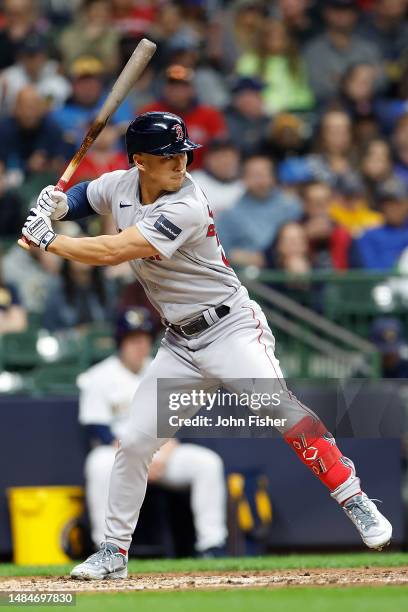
{"x": 171, "y": 31}
{"x": 392, "y": 107}
{"x": 386, "y": 25}
{"x": 33, "y": 67}
{"x": 358, "y": 98}
{"x": 380, "y": 248}
{"x": 400, "y": 142}
{"x": 59, "y": 12}
{"x": 285, "y": 139}
{"x": 13, "y": 317}
{"x": 104, "y": 411}
{"x": 31, "y": 141}
{"x": 21, "y": 19}
{"x": 220, "y": 176}
{"x": 350, "y": 209}
{"x": 179, "y": 96}
{"x": 277, "y": 62}
{"x": 375, "y": 166}
{"x": 330, "y": 54}
{"x": 104, "y": 156}
{"x": 234, "y": 31}
{"x": 245, "y": 117}
{"x": 88, "y": 95}
{"x": 298, "y": 18}
{"x": 388, "y": 336}
{"x": 34, "y": 274}
{"x": 290, "y": 252}
{"x": 210, "y": 84}
{"x": 250, "y": 227}
{"x": 328, "y": 243}
{"x": 334, "y": 146}
{"x": 91, "y": 34}
{"x": 133, "y": 19}
{"x": 11, "y": 208}
{"x": 82, "y": 296}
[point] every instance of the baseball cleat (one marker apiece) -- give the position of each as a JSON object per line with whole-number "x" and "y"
{"x": 374, "y": 528}
{"x": 108, "y": 562}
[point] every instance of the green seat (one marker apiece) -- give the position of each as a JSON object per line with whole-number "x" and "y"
{"x": 55, "y": 379}
{"x": 97, "y": 344}
{"x": 19, "y": 350}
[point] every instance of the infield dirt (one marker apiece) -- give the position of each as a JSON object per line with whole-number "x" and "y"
{"x": 215, "y": 580}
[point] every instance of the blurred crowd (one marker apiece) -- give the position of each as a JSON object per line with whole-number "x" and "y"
{"x": 301, "y": 105}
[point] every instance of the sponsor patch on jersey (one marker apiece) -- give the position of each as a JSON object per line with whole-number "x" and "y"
{"x": 167, "y": 228}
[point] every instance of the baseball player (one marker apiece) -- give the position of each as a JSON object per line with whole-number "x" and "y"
{"x": 104, "y": 411}
{"x": 214, "y": 330}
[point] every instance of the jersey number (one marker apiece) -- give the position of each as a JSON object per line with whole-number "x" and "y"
{"x": 211, "y": 231}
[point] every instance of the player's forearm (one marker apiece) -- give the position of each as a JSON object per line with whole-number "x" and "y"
{"x": 98, "y": 251}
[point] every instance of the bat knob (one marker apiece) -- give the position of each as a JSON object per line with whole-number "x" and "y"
{"x": 23, "y": 243}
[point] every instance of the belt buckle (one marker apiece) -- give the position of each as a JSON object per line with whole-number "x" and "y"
{"x": 182, "y": 330}
{"x": 193, "y": 323}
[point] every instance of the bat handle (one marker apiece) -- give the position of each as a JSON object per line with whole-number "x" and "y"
{"x": 61, "y": 185}
{"x": 22, "y": 241}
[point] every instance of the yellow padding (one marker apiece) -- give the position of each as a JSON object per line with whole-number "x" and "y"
{"x": 263, "y": 501}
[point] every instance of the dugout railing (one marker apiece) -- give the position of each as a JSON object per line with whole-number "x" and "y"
{"x": 316, "y": 320}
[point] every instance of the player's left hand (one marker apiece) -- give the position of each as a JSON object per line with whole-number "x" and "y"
{"x": 38, "y": 230}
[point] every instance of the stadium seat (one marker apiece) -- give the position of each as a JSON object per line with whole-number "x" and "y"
{"x": 55, "y": 379}
{"x": 18, "y": 351}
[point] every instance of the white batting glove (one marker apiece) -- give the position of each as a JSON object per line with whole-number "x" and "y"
{"x": 53, "y": 203}
{"x": 37, "y": 229}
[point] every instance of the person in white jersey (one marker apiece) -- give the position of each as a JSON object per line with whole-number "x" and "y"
{"x": 214, "y": 330}
{"x": 106, "y": 393}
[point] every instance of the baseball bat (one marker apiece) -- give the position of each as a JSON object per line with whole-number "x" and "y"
{"x": 137, "y": 62}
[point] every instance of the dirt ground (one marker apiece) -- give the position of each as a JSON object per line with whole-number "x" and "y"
{"x": 211, "y": 580}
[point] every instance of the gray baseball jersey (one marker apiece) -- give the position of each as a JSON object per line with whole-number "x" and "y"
{"x": 191, "y": 273}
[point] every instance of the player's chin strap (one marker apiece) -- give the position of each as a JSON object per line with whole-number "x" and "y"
{"x": 317, "y": 449}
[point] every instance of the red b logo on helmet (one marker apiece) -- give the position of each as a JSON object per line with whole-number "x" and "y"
{"x": 179, "y": 132}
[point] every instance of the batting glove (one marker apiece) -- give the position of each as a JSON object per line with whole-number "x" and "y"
{"x": 53, "y": 203}
{"x": 37, "y": 229}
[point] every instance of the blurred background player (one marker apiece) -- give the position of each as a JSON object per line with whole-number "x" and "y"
{"x": 106, "y": 393}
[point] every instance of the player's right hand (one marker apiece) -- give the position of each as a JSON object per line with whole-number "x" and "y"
{"x": 53, "y": 203}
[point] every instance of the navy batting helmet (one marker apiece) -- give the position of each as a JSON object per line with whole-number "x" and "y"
{"x": 136, "y": 319}
{"x": 159, "y": 134}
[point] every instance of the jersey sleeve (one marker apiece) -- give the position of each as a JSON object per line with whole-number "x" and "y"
{"x": 94, "y": 406}
{"x": 173, "y": 225}
{"x": 100, "y": 192}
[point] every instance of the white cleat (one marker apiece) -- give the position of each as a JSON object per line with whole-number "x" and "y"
{"x": 374, "y": 528}
{"x": 108, "y": 562}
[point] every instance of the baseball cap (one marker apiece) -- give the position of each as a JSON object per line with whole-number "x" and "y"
{"x": 179, "y": 74}
{"x": 342, "y": 4}
{"x": 387, "y": 334}
{"x": 184, "y": 41}
{"x": 245, "y": 83}
{"x": 33, "y": 44}
{"x": 294, "y": 170}
{"x": 134, "y": 319}
{"x": 349, "y": 185}
{"x": 392, "y": 189}
{"x": 86, "y": 65}
{"x": 287, "y": 121}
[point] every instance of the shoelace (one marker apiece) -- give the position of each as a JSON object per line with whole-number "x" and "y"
{"x": 361, "y": 512}
{"x": 102, "y": 555}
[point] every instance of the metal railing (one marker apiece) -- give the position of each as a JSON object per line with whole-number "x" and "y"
{"x": 309, "y": 344}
